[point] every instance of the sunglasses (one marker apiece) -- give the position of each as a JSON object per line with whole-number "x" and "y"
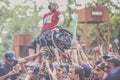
{"x": 59, "y": 70}
{"x": 11, "y": 60}
{"x": 97, "y": 69}
{"x": 107, "y": 67}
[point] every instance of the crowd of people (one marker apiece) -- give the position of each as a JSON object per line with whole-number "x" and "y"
{"x": 72, "y": 64}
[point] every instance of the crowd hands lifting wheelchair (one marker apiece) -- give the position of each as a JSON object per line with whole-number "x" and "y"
{"x": 72, "y": 64}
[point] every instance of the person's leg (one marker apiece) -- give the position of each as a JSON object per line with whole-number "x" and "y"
{"x": 31, "y": 51}
{"x": 32, "y": 47}
{"x": 38, "y": 47}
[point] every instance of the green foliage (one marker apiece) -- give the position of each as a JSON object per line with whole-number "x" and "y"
{"x": 25, "y": 19}
{"x": 17, "y": 21}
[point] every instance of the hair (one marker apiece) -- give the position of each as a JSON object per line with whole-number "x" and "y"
{"x": 63, "y": 67}
{"x": 87, "y": 70}
{"x": 101, "y": 66}
{"x": 45, "y": 75}
{"x": 49, "y": 6}
{"x": 79, "y": 70}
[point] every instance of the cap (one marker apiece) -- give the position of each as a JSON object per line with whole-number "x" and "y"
{"x": 114, "y": 60}
{"x": 9, "y": 55}
{"x": 106, "y": 57}
{"x": 87, "y": 70}
{"x": 98, "y": 62}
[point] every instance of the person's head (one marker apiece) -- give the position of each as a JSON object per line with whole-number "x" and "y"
{"x": 76, "y": 73}
{"x": 98, "y": 72}
{"x": 10, "y": 59}
{"x": 53, "y": 6}
{"x": 105, "y": 57}
{"x": 87, "y": 70}
{"x": 36, "y": 70}
{"x": 44, "y": 76}
{"x": 112, "y": 63}
{"x": 60, "y": 71}
{"x": 15, "y": 76}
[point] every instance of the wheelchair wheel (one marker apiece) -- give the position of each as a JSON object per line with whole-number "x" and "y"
{"x": 62, "y": 39}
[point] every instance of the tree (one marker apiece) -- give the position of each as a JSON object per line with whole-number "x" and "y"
{"x": 21, "y": 19}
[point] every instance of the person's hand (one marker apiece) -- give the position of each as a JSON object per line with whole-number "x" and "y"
{"x": 97, "y": 49}
{"x": 56, "y": 29}
{"x": 12, "y": 72}
{"x": 41, "y": 52}
{"x": 66, "y": 77}
{"x": 47, "y": 64}
{"x": 7, "y": 75}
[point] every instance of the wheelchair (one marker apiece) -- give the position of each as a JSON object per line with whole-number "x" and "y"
{"x": 50, "y": 38}
{"x": 60, "y": 40}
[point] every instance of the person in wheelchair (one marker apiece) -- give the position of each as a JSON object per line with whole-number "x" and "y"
{"x": 52, "y": 34}
{"x": 51, "y": 21}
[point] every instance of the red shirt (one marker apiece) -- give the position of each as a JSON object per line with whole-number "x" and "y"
{"x": 50, "y": 20}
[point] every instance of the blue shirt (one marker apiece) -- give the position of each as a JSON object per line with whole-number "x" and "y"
{"x": 114, "y": 74}
{"x": 5, "y": 70}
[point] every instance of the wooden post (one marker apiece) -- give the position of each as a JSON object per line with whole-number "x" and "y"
{"x": 93, "y": 15}
{"x": 86, "y": 34}
{"x": 108, "y": 25}
{"x": 21, "y": 42}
